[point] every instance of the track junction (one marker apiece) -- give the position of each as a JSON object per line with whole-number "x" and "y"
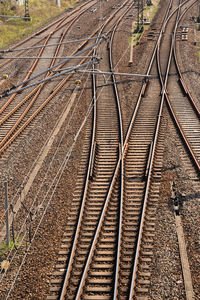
{"x": 109, "y": 232}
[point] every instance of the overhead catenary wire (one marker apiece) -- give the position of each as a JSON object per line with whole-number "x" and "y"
{"x": 99, "y": 72}
{"x": 116, "y": 64}
{"x": 49, "y": 69}
{"x": 99, "y": 86}
{"x": 44, "y": 57}
{"x": 48, "y": 169}
{"x": 69, "y": 152}
{"x": 46, "y": 79}
{"x": 75, "y": 139}
{"x": 49, "y": 45}
{"x": 67, "y": 157}
{"x": 21, "y": 185}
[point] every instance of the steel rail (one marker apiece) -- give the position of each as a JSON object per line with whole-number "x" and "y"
{"x": 118, "y": 166}
{"x": 183, "y": 84}
{"x": 46, "y": 46}
{"x": 6, "y": 141}
{"x": 172, "y": 112}
{"x": 148, "y": 181}
{"x": 115, "y": 292}
{"x": 30, "y": 70}
{"x": 46, "y": 57}
{"x": 115, "y": 174}
{"x": 150, "y": 169}
{"x": 85, "y": 191}
{"x": 10, "y": 91}
{"x": 40, "y": 53}
{"x": 116, "y": 170}
{"x": 44, "y": 29}
{"x": 90, "y": 162}
{"x": 164, "y": 94}
{"x": 109, "y": 192}
{"x": 55, "y": 91}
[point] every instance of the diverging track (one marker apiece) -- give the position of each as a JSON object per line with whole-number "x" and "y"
{"x": 111, "y": 249}
{"x": 107, "y": 248}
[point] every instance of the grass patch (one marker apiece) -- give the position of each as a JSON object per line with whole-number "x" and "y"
{"x": 4, "y": 248}
{"x": 148, "y": 15}
{"x": 41, "y": 11}
{"x": 134, "y": 40}
{"x": 150, "y": 11}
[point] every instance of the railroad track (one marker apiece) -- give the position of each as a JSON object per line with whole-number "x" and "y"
{"x": 42, "y": 34}
{"x": 22, "y": 113}
{"x": 100, "y": 259}
{"x": 104, "y": 152}
{"x": 136, "y": 185}
{"x": 108, "y": 243}
{"x": 18, "y": 114}
{"x": 180, "y": 102}
{"x": 29, "y": 117}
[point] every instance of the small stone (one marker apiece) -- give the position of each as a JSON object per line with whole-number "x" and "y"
{"x": 4, "y": 265}
{"x": 179, "y": 281}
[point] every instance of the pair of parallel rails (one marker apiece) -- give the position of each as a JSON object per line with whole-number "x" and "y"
{"x": 109, "y": 238}
{"x": 19, "y": 112}
{"x": 112, "y": 240}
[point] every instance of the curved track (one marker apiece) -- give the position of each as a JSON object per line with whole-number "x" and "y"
{"x": 107, "y": 248}
{"x": 182, "y": 107}
{"x": 18, "y": 113}
{"x": 114, "y": 261}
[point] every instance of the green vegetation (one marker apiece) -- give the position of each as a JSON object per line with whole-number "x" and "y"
{"x": 198, "y": 52}
{"x": 41, "y": 11}
{"x": 150, "y": 11}
{"x": 148, "y": 14}
{"x": 134, "y": 40}
{"x": 4, "y": 248}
